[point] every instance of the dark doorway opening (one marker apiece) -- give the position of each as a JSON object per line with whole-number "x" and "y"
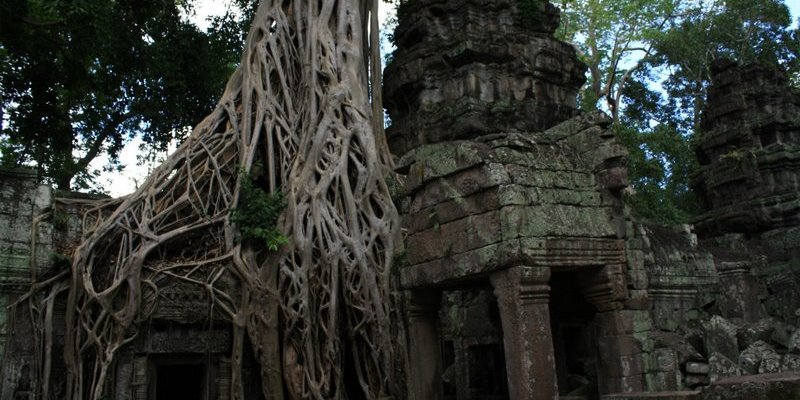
{"x": 180, "y": 381}
{"x": 574, "y": 341}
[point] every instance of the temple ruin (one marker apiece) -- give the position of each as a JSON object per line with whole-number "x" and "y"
{"x": 524, "y": 275}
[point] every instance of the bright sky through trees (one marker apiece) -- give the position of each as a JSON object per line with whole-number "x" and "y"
{"x": 135, "y": 171}
{"x": 117, "y": 184}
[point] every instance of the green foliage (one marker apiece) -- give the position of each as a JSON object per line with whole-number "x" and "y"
{"x": 649, "y": 63}
{"x": 613, "y": 37}
{"x": 257, "y": 215}
{"x": 80, "y": 78}
{"x": 742, "y": 30}
{"x": 661, "y": 164}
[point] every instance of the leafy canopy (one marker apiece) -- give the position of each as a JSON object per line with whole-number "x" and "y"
{"x": 79, "y": 78}
{"x": 649, "y": 63}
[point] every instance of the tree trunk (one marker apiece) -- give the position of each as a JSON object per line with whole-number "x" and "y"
{"x": 298, "y": 108}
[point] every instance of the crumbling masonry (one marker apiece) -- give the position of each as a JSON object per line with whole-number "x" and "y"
{"x": 521, "y": 255}
{"x": 524, "y": 274}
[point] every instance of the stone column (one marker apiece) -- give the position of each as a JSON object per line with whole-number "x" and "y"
{"x": 140, "y": 367}
{"x": 425, "y": 358}
{"x": 622, "y": 334}
{"x": 522, "y": 297}
{"x": 740, "y": 292}
{"x": 622, "y": 343}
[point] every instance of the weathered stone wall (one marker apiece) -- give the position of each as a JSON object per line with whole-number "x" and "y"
{"x": 474, "y": 206}
{"x": 720, "y": 306}
{"x": 749, "y": 150}
{"x": 26, "y": 243}
{"x": 726, "y": 304}
{"x": 466, "y": 68}
{"x": 40, "y": 232}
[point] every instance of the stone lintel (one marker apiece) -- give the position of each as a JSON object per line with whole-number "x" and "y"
{"x": 565, "y": 254}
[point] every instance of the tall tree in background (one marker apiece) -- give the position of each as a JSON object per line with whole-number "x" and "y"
{"x": 664, "y": 107}
{"x": 79, "y": 78}
{"x": 649, "y": 67}
{"x": 742, "y": 30}
{"x": 614, "y": 38}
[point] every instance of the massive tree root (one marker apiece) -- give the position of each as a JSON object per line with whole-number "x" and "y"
{"x": 295, "y": 118}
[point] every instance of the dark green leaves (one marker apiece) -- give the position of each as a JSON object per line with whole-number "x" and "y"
{"x": 79, "y": 78}
{"x": 257, "y": 215}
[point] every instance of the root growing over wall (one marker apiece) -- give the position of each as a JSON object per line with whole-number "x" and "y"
{"x": 296, "y": 117}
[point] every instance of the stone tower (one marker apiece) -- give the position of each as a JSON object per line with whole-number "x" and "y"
{"x": 749, "y": 151}
{"x": 512, "y": 208}
{"x": 466, "y": 68}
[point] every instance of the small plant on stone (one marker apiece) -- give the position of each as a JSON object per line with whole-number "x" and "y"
{"x": 257, "y": 215}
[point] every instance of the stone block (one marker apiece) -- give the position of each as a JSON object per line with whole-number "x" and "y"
{"x": 750, "y": 359}
{"x": 664, "y": 360}
{"x": 635, "y": 383}
{"x": 638, "y": 300}
{"x": 771, "y": 363}
{"x": 555, "y": 220}
{"x": 612, "y": 347}
{"x": 791, "y": 362}
{"x": 637, "y": 277}
{"x": 785, "y": 386}
{"x": 721, "y": 367}
{"x": 697, "y": 368}
{"x": 454, "y": 237}
{"x": 621, "y": 322}
{"x": 694, "y": 381}
{"x": 664, "y": 381}
{"x": 782, "y": 335}
{"x": 759, "y": 331}
{"x": 686, "y": 351}
{"x": 720, "y": 337}
{"x": 461, "y": 184}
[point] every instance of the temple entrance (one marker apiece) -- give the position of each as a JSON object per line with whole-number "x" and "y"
{"x": 574, "y": 339}
{"x": 180, "y": 378}
{"x": 472, "y": 346}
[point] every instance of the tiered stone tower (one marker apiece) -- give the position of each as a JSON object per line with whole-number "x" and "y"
{"x": 465, "y": 68}
{"x": 750, "y": 150}
{"x": 508, "y": 189}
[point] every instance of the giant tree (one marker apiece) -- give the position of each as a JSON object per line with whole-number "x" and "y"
{"x": 309, "y": 285}
{"x": 613, "y": 38}
{"x": 664, "y": 103}
{"x": 80, "y": 78}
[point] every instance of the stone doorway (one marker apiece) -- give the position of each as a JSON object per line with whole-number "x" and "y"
{"x": 574, "y": 340}
{"x": 473, "y": 359}
{"x": 181, "y": 377}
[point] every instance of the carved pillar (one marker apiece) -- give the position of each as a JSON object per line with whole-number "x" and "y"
{"x": 224, "y": 379}
{"x": 523, "y": 294}
{"x": 621, "y": 333}
{"x": 425, "y": 375}
{"x": 742, "y": 299}
{"x": 140, "y": 367}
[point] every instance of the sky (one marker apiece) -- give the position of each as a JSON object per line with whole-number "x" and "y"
{"x": 133, "y": 174}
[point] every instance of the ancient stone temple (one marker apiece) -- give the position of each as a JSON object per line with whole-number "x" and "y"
{"x": 750, "y": 150}
{"x": 512, "y": 206}
{"x": 184, "y": 352}
{"x": 525, "y": 275}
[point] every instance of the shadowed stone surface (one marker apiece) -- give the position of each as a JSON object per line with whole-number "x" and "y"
{"x": 749, "y": 150}
{"x": 755, "y": 387}
{"x": 466, "y": 68}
